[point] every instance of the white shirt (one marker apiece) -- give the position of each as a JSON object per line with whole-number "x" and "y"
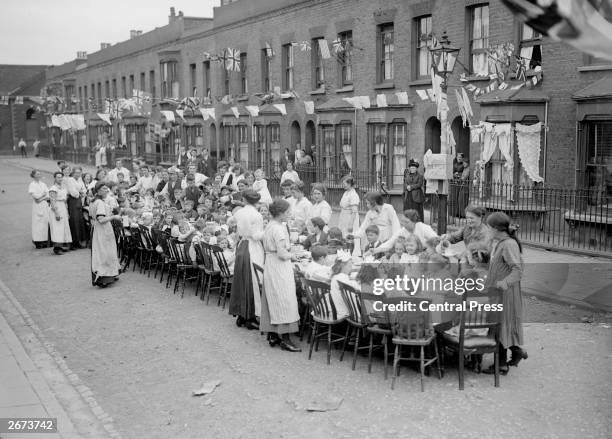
{"x": 301, "y": 209}
{"x": 290, "y": 175}
{"x": 386, "y": 220}
{"x": 422, "y": 232}
{"x": 321, "y": 209}
{"x": 143, "y": 184}
{"x": 199, "y": 179}
{"x": 112, "y": 175}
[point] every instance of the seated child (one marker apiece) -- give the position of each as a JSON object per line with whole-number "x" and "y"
{"x": 228, "y": 253}
{"x": 373, "y": 241}
{"x": 188, "y": 211}
{"x": 318, "y": 269}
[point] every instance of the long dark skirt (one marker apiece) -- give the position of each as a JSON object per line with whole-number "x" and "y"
{"x": 409, "y": 203}
{"x": 241, "y": 300}
{"x": 76, "y": 220}
{"x": 459, "y": 198}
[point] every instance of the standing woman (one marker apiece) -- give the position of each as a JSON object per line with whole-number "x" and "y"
{"x": 348, "y": 221}
{"x": 76, "y": 190}
{"x": 58, "y": 215}
{"x": 380, "y": 214}
{"x": 476, "y": 230}
{"x": 320, "y": 208}
{"x": 40, "y": 210}
{"x": 279, "y": 307}
{"x": 413, "y": 189}
{"x": 505, "y": 273}
{"x": 104, "y": 259}
{"x": 245, "y": 300}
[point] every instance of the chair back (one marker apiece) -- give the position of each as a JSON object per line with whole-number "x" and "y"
{"x": 476, "y": 317}
{"x": 259, "y": 271}
{"x": 199, "y": 253}
{"x": 146, "y": 237}
{"x": 177, "y": 251}
{"x": 412, "y": 324}
{"x": 352, "y": 300}
{"x": 221, "y": 261}
{"x": 320, "y": 300}
{"x": 371, "y": 312}
{"x": 162, "y": 239}
{"x": 207, "y": 256}
{"x": 300, "y": 288}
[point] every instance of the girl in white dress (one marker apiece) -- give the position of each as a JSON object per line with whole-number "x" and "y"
{"x": 40, "y": 210}
{"x": 348, "y": 221}
{"x": 261, "y": 187}
{"x": 58, "y": 215}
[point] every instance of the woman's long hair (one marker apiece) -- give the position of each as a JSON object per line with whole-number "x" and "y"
{"x": 501, "y": 222}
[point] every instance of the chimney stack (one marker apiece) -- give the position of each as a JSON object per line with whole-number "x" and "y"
{"x": 104, "y": 46}
{"x": 172, "y": 16}
{"x": 81, "y": 55}
{"x": 180, "y": 14}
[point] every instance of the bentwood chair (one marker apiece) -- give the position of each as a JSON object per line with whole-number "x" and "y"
{"x": 226, "y": 276}
{"x": 324, "y": 315}
{"x": 413, "y": 329}
{"x": 357, "y": 323}
{"x": 167, "y": 261}
{"x": 183, "y": 266}
{"x": 304, "y": 307}
{"x": 208, "y": 273}
{"x": 478, "y": 331}
{"x": 149, "y": 253}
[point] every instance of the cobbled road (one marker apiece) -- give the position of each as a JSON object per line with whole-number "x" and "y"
{"x": 142, "y": 350}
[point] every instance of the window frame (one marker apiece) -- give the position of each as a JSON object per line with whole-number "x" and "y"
{"x": 345, "y": 58}
{"x": 152, "y": 85}
{"x": 193, "y": 85}
{"x": 395, "y": 178}
{"x": 372, "y": 172}
{"x": 486, "y": 40}
{"x": 385, "y": 53}
{"x": 266, "y": 82}
{"x": 244, "y": 83}
{"x": 317, "y": 65}
{"x": 535, "y": 41}
{"x": 143, "y": 81}
{"x": 169, "y": 77}
{"x": 422, "y": 45}
{"x": 206, "y": 89}
{"x": 288, "y": 65}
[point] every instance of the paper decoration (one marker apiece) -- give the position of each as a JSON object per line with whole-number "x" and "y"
{"x": 337, "y": 45}
{"x": 4, "y": 100}
{"x": 309, "y": 107}
{"x": 304, "y": 46}
{"x": 236, "y": 112}
{"x": 324, "y": 48}
{"x": 277, "y": 90}
{"x": 402, "y": 97}
{"x": 281, "y": 108}
{"x": 430, "y": 95}
{"x": 232, "y": 60}
{"x": 503, "y": 86}
{"x": 467, "y": 104}
{"x": 364, "y": 101}
{"x": 269, "y": 50}
{"x": 207, "y": 113}
{"x": 381, "y": 100}
{"x": 226, "y": 100}
{"x": 181, "y": 113}
{"x": 528, "y": 142}
{"x": 422, "y": 94}
{"x": 253, "y": 110}
{"x": 169, "y": 115}
{"x": 105, "y": 118}
{"x": 18, "y": 100}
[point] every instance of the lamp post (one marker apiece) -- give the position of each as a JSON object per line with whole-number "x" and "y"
{"x": 444, "y": 57}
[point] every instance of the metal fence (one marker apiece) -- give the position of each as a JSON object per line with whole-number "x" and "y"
{"x": 554, "y": 217}
{"x": 578, "y": 219}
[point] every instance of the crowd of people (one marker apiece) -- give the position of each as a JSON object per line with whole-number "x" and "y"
{"x": 199, "y": 200}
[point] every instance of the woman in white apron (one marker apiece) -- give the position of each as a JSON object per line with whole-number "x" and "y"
{"x": 58, "y": 215}
{"x": 40, "y": 210}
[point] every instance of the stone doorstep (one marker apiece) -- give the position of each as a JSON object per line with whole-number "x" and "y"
{"x": 57, "y": 394}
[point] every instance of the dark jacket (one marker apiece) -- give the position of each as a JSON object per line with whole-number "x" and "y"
{"x": 207, "y": 167}
{"x": 312, "y": 240}
{"x": 192, "y": 193}
{"x": 416, "y": 182}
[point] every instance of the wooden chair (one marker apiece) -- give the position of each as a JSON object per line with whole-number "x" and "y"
{"x": 413, "y": 329}
{"x": 149, "y": 244}
{"x": 305, "y": 315}
{"x": 207, "y": 272}
{"x": 323, "y": 314}
{"x": 226, "y": 276}
{"x": 182, "y": 265}
{"x": 167, "y": 261}
{"x": 467, "y": 341}
{"x": 378, "y": 324}
{"x": 357, "y": 324}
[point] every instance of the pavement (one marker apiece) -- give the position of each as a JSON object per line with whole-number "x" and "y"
{"x": 557, "y": 276}
{"x": 134, "y": 352}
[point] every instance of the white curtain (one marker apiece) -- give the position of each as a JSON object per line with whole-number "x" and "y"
{"x": 347, "y": 150}
{"x": 528, "y": 142}
{"x": 490, "y": 142}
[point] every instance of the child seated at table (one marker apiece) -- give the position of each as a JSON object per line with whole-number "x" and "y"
{"x": 399, "y": 255}
{"x": 228, "y": 253}
{"x": 188, "y": 211}
{"x": 335, "y": 242}
{"x": 340, "y": 273}
{"x": 194, "y": 238}
{"x": 372, "y": 236}
{"x": 317, "y": 269}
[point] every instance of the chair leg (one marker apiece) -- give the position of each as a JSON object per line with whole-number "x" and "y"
{"x": 178, "y": 279}
{"x": 312, "y": 340}
{"x": 356, "y": 347}
{"x": 184, "y": 282}
{"x": 386, "y": 353}
{"x": 370, "y": 353}
{"x": 346, "y": 335}
{"x": 329, "y": 343}
{"x": 461, "y": 367}
{"x": 496, "y": 363}
{"x": 422, "y": 368}
{"x": 395, "y": 365}
{"x": 435, "y": 345}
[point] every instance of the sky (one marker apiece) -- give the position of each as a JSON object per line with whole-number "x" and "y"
{"x": 51, "y": 32}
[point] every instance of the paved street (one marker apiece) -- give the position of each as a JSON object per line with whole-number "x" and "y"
{"x": 141, "y": 350}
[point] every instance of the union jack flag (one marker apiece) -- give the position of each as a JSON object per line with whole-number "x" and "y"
{"x": 232, "y": 60}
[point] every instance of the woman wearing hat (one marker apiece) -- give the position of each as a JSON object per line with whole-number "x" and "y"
{"x": 460, "y": 187}
{"x": 245, "y": 300}
{"x": 104, "y": 260}
{"x": 413, "y": 188}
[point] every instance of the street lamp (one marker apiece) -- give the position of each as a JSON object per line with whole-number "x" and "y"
{"x": 444, "y": 57}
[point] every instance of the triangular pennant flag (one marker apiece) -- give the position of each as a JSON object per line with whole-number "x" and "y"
{"x": 181, "y": 113}
{"x": 402, "y": 97}
{"x": 466, "y": 102}
{"x": 365, "y": 101}
{"x": 253, "y": 110}
{"x": 503, "y": 86}
{"x": 324, "y": 48}
{"x": 169, "y": 115}
{"x": 381, "y": 100}
{"x": 354, "y": 101}
{"x": 422, "y": 94}
{"x": 236, "y": 112}
{"x": 309, "y": 107}
{"x": 104, "y": 117}
{"x": 281, "y": 108}
{"x": 204, "y": 112}
{"x": 431, "y": 95}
